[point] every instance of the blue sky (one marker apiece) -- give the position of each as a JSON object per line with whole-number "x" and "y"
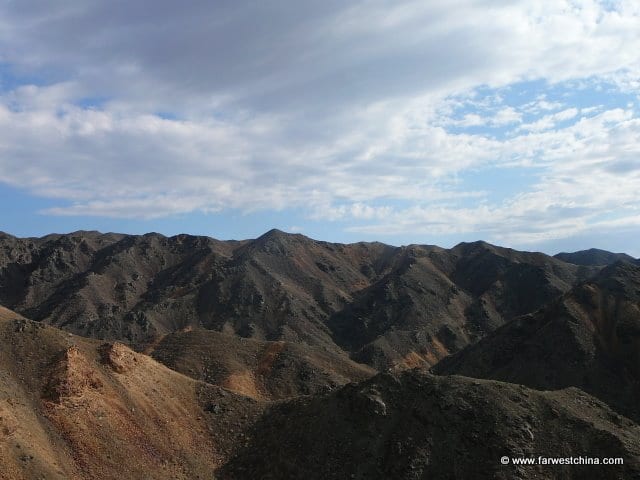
{"x": 399, "y": 121}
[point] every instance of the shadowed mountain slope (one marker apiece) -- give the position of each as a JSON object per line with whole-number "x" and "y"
{"x": 386, "y": 306}
{"x": 434, "y": 301}
{"x": 417, "y": 426}
{"x": 588, "y": 338}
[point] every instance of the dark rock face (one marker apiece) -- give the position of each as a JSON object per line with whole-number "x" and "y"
{"x": 386, "y": 306}
{"x": 417, "y": 426}
{"x": 588, "y": 338}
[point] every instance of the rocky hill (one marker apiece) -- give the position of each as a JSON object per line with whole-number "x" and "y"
{"x": 385, "y": 306}
{"x": 594, "y": 256}
{"x": 259, "y": 369}
{"x": 588, "y": 338}
{"x": 418, "y": 426}
{"x": 76, "y": 408}
{"x": 284, "y": 357}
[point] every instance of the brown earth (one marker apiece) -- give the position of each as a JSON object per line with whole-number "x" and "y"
{"x": 74, "y": 408}
{"x": 262, "y": 370}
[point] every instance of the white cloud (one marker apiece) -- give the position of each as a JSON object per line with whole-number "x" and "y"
{"x": 201, "y": 57}
{"x": 541, "y": 104}
{"x": 499, "y": 118}
{"x": 593, "y": 170}
{"x": 507, "y": 116}
{"x": 472, "y": 120}
{"x": 342, "y": 108}
{"x": 550, "y": 121}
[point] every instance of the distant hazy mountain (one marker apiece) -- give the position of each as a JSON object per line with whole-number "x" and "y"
{"x": 594, "y": 256}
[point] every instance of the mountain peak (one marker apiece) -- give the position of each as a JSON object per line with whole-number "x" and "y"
{"x": 278, "y": 236}
{"x": 593, "y": 257}
{"x": 275, "y": 233}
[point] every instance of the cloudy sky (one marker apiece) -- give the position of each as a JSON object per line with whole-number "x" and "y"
{"x": 439, "y": 121}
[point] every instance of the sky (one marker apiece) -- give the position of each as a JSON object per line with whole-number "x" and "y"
{"x": 432, "y": 122}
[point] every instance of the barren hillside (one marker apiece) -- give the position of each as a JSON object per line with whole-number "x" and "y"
{"x": 385, "y": 306}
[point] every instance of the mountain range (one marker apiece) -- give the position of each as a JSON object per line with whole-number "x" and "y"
{"x": 287, "y": 357}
